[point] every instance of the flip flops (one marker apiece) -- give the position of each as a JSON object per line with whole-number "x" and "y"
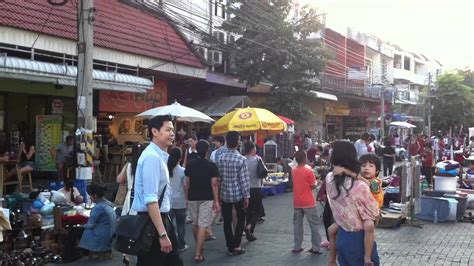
{"x": 236, "y": 252}
{"x": 315, "y": 252}
{"x": 296, "y": 250}
{"x": 199, "y": 259}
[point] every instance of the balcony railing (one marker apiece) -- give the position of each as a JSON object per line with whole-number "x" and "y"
{"x": 349, "y": 86}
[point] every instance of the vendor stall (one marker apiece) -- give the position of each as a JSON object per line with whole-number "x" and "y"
{"x": 274, "y": 184}
{"x": 40, "y": 228}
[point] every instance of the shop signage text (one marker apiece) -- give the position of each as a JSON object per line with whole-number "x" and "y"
{"x": 127, "y": 102}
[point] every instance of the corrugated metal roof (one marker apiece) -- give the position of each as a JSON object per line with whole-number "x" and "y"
{"x": 66, "y": 75}
{"x": 117, "y": 26}
{"x": 219, "y": 106}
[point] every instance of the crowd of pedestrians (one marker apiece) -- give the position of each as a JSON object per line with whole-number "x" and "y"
{"x": 170, "y": 182}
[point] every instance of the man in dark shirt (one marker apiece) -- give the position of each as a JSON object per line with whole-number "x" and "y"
{"x": 388, "y": 158}
{"x": 191, "y": 152}
{"x": 202, "y": 192}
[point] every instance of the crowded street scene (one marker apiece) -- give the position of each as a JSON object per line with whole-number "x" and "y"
{"x": 236, "y": 132}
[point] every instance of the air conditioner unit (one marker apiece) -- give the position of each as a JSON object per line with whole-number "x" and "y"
{"x": 203, "y": 52}
{"x": 398, "y": 65}
{"x": 220, "y": 36}
{"x": 216, "y": 57}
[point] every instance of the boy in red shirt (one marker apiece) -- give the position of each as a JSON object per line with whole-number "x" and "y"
{"x": 304, "y": 203}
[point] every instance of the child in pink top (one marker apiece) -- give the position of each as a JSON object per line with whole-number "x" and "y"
{"x": 304, "y": 203}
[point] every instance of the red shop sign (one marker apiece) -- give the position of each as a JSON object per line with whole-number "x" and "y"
{"x": 128, "y": 102}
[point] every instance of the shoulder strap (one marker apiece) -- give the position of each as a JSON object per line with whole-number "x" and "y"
{"x": 162, "y": 195}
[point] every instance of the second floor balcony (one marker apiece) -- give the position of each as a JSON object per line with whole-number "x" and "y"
{"x": 345, "y": 85}
{"x": 408, "y": 76}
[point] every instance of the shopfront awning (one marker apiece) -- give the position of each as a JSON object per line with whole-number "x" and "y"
{"x": 325, "y": 96}
{"x": 24, "y": 69}
{"x": 224, "y": 80}
{"x": 219, "y": 106}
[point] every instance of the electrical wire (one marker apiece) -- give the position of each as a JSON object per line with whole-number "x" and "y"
{"x": 42, "y": 27}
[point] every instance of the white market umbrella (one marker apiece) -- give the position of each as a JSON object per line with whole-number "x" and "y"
{"x": 178, "y": 111}
{"x": 402, "y": 124}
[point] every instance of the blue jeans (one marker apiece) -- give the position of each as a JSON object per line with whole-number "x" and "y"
{"x": 350, "y": 248}
{"x": 180, "y": 215}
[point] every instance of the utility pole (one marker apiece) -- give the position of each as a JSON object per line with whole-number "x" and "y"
{"x": 85, "y": 20}
{"x": 382, "y": 113}
{"x": 429, "y": 104}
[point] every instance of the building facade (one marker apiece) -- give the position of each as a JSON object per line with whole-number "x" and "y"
{"x": 136, "y": 55}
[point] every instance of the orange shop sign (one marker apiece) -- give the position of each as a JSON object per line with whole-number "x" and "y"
{"x": 128, "y": 102}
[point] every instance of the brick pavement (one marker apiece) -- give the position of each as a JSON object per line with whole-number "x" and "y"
{"x": 434, "y": 244}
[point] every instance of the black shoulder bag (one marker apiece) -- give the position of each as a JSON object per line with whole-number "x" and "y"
{"x": 135, "y": 233}
{"x": 262, "y": 170}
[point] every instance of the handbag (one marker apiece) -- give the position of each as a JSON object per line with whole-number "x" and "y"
{"x": 135, "y": 233}
{"x": 262, "y": 170}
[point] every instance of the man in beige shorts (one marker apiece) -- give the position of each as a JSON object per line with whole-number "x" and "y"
{"x": 202, "y": 193}
{"x": 201, "y": 213}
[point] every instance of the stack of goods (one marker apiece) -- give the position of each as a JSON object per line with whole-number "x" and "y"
{"x": 446, "y": 176}
{"x": 441, "y": 204}
{"x": 276, "y": 183}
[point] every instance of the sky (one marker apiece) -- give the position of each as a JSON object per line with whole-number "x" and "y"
{"x": 439, "y": 29}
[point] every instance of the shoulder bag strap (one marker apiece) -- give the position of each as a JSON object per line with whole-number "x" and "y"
{"x": 162, "y": 195}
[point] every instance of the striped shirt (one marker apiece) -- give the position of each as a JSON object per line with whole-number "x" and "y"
{"x": 234, "y": 176}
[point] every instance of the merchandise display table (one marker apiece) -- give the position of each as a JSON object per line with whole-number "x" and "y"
{"x": 275, "y": 185}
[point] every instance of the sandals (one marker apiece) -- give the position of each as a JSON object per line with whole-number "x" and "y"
{"x": 210, "y": 238}
{"x": 315, "y": 252}
{"x": 199, "y": 259}
{"x": 236, "y": 252}
{"x": 296, "y": 250}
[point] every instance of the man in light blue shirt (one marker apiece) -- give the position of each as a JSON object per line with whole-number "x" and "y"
{"x": 361, "y": 145}
{"x": 151, "y": 180}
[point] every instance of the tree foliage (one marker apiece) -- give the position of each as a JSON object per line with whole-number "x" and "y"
{"x": 275, "y": 49}
{"x": 453, "y": 103}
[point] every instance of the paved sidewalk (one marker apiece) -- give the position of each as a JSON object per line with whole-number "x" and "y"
{"x": 434, "y": 244}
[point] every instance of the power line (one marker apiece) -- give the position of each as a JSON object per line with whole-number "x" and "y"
{"x": 42, "y": 27}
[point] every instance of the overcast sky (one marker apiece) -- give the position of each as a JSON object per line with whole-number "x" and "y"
{"x": 440, "y": 29}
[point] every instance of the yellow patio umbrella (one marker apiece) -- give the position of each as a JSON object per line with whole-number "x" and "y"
{"x": 249, "y": 120}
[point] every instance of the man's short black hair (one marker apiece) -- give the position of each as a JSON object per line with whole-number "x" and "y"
{"x": 219, "y": 139}
{"x": 157, "y": 122}
{"x": 248, "y": 146}
{"x": 232, "y": 139}
{"x": 202, "y": 147}
{"x": 69, "y": 138}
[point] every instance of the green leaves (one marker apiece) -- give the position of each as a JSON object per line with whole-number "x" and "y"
{"x": 452, "y": 103}
{"x": 276, "y": 47}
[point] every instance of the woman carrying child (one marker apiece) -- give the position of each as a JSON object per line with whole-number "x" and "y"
{"x": 354, "y": 210}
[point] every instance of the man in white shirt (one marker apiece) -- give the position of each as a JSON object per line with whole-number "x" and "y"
{"x": 218, "y": 142}
{"x": 361, "y": 145}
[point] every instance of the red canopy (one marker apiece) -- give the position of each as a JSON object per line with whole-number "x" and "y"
{"x": 286, "y": 120}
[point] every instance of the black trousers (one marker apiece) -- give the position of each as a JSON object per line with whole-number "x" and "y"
{"x": 155, "y": 256}
{"x": 387, "y": 167}
{"x": 254, "y": 210}
{"x": 327, "y": 218}
{"x": 427, "y": 172}
{"x": 233, "y": 239}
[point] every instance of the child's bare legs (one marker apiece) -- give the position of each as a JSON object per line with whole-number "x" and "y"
{"x": 369, "y": 238}
{"x": 332, "y": 231}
